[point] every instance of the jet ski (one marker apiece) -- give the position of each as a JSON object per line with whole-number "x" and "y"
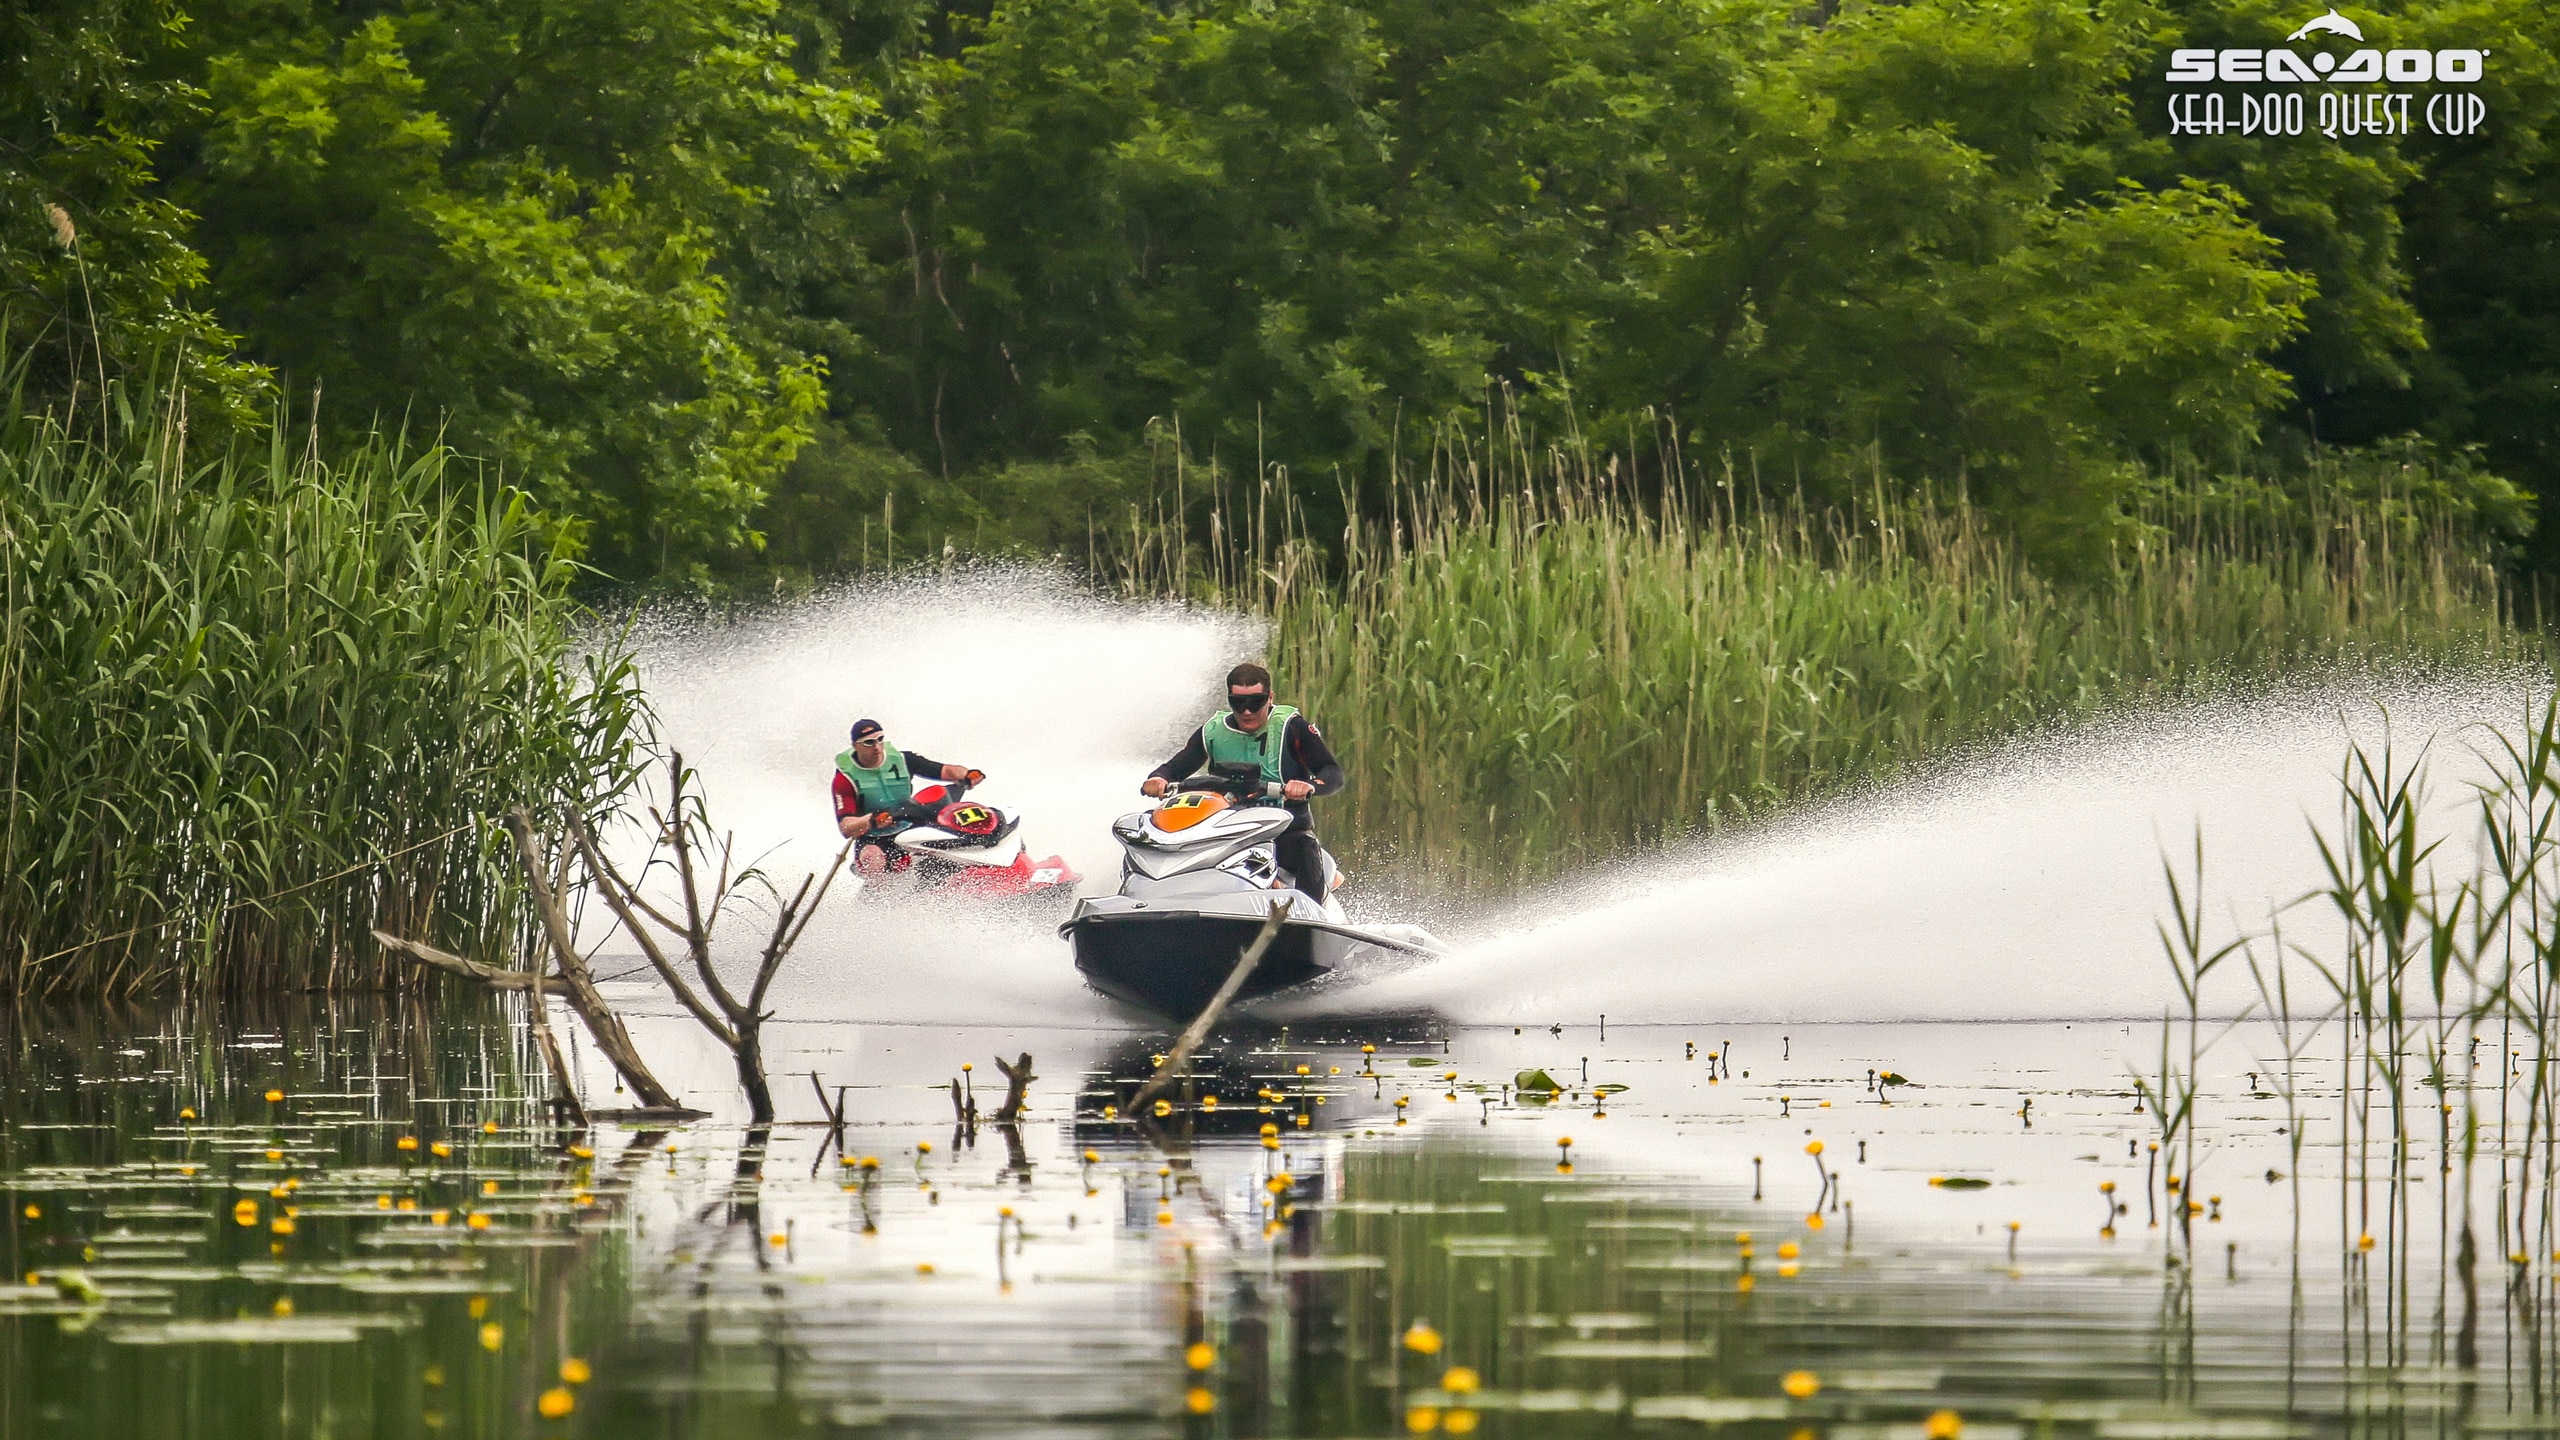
{"x": 952, "y": 844}
{"x": 1199, "y": 875}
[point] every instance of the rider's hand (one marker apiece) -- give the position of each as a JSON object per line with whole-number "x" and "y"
{"x": 882, "y": 819}
{"x": 1297, "y": 790}
{"x": 976, "y": 777}
{"x": 1154, "y": 787}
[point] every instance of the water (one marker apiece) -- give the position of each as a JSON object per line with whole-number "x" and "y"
{"x": 714, "y": 1280}
{"x": 1411, "y": 1218}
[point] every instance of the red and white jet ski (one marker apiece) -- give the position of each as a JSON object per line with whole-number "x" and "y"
{"x": 952, "y": 844}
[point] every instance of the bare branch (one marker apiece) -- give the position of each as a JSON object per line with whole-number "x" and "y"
{"x": 618, "y": 894}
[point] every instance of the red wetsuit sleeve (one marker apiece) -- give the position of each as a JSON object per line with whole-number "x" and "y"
{"x": 848, "y": 799}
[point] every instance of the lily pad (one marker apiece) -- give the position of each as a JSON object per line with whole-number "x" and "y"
{"x": 1959, "y": 1182}
{"x": 1533, "y": 1081}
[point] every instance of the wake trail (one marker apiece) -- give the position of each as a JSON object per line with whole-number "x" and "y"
{"x": 2024, "y": 883}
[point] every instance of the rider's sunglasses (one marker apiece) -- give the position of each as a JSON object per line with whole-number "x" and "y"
{"x": 867, "y": 742}
{"x": 1246, "y": 704}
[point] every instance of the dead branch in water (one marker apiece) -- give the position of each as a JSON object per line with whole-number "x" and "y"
{"x": 1180, "y": 1055}
{"x": 684, "y": 829}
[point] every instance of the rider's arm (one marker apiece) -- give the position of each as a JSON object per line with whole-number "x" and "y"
{"x": 1323, "y": 772}
{"x": 1187, "y": 762}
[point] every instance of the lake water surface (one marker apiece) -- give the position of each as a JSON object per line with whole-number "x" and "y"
{"x": 1419, "y": 1252}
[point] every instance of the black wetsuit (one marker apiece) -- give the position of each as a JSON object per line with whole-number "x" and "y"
{"x": 1303, "y": 756}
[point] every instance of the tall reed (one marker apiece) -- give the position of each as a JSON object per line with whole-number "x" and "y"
{"x": 255, "y": 705}
{"x": 1531, "y": 660}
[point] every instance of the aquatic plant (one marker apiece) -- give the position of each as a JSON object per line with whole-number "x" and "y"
{"x": 1537, "y": 661}
{"x": 254, "y": 705}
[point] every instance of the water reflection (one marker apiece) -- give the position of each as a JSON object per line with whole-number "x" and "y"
{"x": 1370, "y": 1231}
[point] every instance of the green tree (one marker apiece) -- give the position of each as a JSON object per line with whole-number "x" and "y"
{"x": 516, "y": 222}
{"x": 95, "y": 268}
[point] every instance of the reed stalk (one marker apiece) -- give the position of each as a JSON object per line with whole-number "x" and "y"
{"x": 256, "y": 705}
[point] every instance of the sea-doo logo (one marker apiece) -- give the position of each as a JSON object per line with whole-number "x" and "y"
{"x": 2334, "y": 23}
{"x": 2337, "y": 113}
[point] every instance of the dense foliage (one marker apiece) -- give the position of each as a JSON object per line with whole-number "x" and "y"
{"x": 643, "y": 253}
{"x": 255, "y": 704}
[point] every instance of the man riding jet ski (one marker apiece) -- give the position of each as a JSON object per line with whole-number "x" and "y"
{"x": 932, "y": 830}
{"x": 1284, "y": 746}
{"x": 1202, "y": 870}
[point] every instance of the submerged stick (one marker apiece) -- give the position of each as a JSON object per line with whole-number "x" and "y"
{"x": 1180, "y": 1054}
{"x": 1017, "y": 1079}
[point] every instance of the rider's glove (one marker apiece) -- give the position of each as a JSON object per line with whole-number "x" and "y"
{"x": 882, "y": 819}
{"x": 976, "y": 777}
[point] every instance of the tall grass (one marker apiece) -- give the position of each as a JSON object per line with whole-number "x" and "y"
{"x": 1533, "y": 661}
{"x": 253, "y": 705}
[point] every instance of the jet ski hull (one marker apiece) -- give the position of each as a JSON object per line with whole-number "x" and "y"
{"x": 1172, "y": 965}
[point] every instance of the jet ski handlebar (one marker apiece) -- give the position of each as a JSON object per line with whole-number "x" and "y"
{"x": 914, "y": 813}
{"x": 1237, "y": 787}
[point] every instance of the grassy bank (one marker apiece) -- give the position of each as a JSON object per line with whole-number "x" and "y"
{"x": 1532, "y": 666}
{"x": 254, "y": 704}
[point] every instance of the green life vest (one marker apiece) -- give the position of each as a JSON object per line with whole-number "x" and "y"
{"x": 884, "y": 786}
{"x": 1228, "y": 745}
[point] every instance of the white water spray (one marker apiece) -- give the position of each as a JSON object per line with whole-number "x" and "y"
{"x": 1064, "y": 700}
{"x": 2023, "y": 882}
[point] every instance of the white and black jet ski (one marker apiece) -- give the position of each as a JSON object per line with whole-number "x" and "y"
{"x": 1198, "y": 877}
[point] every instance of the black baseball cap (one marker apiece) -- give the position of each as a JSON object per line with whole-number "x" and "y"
{"x": 863, "y": 729}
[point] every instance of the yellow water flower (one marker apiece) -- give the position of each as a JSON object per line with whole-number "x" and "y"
{"x": 1199, "y": 1401}
{"x": 1200, "y": 1356}
{"x": 1944, "y": 1425}
{"x": 1421, "y": 1339}
{"x": 189, "y": 1113}
{"x": 1460, "y": 1380}
{"x": 245, "y": 1213}
{"x": 493, "y": 1336}
{"x": 1802, "y": 1384}
{"x": 555, "y": 1403}
{"x": 576, "y": 1371}
{"x": 275, "y": 1097}
{"x": 1422, "y": 1419}
{"x": 478, "y": 1221}
{"x": 1459, "y": 1422}
{"x": 284, "y": 1307}
{"x": 1787, "y": 1250}
{"x": 405, "y": 1142}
